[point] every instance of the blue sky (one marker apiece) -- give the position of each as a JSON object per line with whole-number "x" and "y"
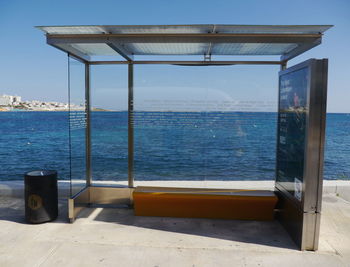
{"x": 34, "y": 70}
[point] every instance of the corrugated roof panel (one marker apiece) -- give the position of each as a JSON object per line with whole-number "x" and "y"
{"x": 158, "y": 29}
{"x": 167, "y": 48}
{"x": 254, "y": 39}
{"x": 95, "y": 49}
{"x": 272, "y": 29}
{"x": 72, "y": 29}
{"x": 125, "y": 29}
{"x": 252, "y": 49}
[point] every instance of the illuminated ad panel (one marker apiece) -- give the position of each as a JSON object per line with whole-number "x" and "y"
{"x": 293, "y": 108}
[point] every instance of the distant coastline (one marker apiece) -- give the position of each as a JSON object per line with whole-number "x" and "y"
{"x": 148, "y": 111}
{"x": 15, "y": 103}
{"x": 55, "y": 110}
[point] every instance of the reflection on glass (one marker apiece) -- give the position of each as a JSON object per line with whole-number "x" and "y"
{"x": 292, "y": 130}
{"x": 77, "y": 125}
{"x": 203, "y": 132}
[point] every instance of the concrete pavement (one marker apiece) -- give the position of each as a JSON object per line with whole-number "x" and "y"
{"x": 115, "y": 237}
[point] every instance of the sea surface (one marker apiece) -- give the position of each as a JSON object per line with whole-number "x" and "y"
{"x": 168, "y": 145}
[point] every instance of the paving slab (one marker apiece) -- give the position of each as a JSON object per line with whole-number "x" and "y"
{"x": 115, "y": 237}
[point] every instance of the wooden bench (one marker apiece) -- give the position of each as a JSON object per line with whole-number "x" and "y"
{"x": 204, "y": 203}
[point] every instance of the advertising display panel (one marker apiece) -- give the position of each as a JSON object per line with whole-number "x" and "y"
{"x": 300, "y": 147}
{"x": 293, "y": 108}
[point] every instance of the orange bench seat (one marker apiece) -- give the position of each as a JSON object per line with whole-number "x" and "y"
{"x": 204, "y": 203}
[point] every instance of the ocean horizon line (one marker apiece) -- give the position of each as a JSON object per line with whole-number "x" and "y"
{"x": 164, "y": 111}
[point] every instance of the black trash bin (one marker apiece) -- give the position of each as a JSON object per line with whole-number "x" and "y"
{"x": 41, "y": 198}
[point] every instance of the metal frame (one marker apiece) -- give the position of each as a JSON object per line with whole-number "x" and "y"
{"x": 302, "y": 223}
{"x": 182, "y": 38}
{"x": 130, "y": 125}
{"x": 100, "y": 195}
{"x": 305, "y": 214}
{"x": 305, "y": 42}
{"x": 302, "y": 220}
{"x": 190, "y": 63}
{"x": 121, "y": 51}
{"x": 88, "y": 125}
{"x": 115, "y": 195}
{"x": 72, "y": 52}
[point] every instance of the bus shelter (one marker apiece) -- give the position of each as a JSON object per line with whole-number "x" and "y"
{"x": 301, "y": 110}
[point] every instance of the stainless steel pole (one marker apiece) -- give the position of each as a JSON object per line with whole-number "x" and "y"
{"x": 284, "y": 65}
{"x": 130, "y": 125}
{"x": 88, "y": 125}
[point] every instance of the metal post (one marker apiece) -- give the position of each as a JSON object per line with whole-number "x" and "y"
{"x": 284, "y": 65}
{"x": 130, "y": 125}
{"x": 88, "y": 125}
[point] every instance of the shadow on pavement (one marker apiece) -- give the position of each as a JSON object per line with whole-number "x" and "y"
{"x": 269, "y": 233}
{"x": 12, "y": 209}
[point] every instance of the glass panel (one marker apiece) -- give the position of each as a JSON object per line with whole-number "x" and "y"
{"x": 252, "y": 49}
{"x": 109, "y": 122}
{"x": 167, "y": 48}
{"x": 95, "y": 49}
{"x": 204, "y": 126}
{"x": 77, "y": 125}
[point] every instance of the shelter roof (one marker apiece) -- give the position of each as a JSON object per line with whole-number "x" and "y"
{"x": 286, "y": 41}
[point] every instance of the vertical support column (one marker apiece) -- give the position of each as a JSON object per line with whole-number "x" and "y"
{"x": 284, "y": 65}
{"x": 88, "y": 125}
{"x": 130, "y": 125}
{"x": 69, "y": 129}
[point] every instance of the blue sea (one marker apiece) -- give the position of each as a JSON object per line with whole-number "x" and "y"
{"x": 168, "y": 145}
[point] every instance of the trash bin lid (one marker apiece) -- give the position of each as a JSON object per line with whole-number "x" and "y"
{"x": 41, "y": 173}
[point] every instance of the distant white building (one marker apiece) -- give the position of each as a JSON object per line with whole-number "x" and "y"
{"x": 17, "y": 99}
{"x": 6, "y": 100}
{"x": 10, "y": 100}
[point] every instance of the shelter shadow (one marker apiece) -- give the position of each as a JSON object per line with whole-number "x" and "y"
{"x": 268, "y": 233}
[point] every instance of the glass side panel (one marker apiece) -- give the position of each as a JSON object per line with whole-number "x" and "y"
{"x": 77, "y": 125}
{"x": 109, "y": 122}
{"x": 204, "y": 126}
